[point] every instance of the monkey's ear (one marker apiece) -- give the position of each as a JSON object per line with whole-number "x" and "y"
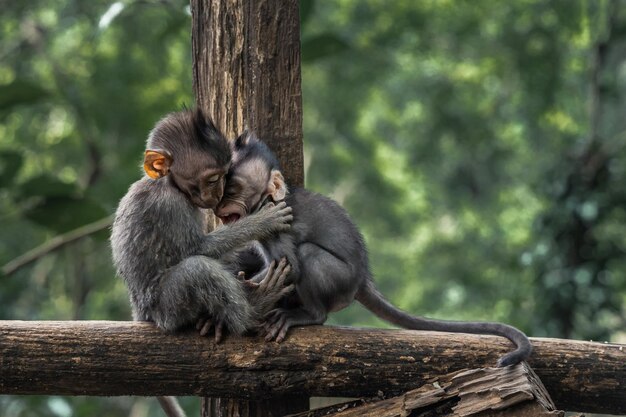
{"x": 200, "y": 114}
{"x": 243, "y": 139}
{"x": 157, "y": 163}
{"x": 277, "y": 187}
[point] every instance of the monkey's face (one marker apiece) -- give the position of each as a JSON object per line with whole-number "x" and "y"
{"x": 246, "y": 188}
{"x": 204, "y": 187}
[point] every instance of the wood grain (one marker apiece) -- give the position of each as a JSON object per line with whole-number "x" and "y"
{"x": 126, "y": 358}
{"x": 485, "y": 392}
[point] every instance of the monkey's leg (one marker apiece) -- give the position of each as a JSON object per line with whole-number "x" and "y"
{"x": 326, "y": 284}
{"x": 200, "y": 286}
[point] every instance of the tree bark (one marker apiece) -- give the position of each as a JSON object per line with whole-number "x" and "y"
{"x": 127, "y": 358}
{"x": 246, "y": 73}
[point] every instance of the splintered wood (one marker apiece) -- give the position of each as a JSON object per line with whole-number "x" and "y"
{"x": 493, "y": 392}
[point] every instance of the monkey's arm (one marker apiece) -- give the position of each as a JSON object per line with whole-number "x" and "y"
{"x": 259, "y": 226}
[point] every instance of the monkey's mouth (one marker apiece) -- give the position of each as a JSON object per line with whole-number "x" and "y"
{"x": 230, "y": 218}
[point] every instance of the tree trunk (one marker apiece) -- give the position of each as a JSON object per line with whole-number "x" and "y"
{"x": 246, "y": 72}
{"x": 131, "y": 358}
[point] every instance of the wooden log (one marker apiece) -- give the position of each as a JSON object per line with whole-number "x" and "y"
{"x": 494, "y": 392}
{"x": 126, "y": 358}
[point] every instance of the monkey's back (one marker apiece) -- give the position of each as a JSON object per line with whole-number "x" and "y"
{"x": 323, "y": 222}
{"x": 155, "y": 227}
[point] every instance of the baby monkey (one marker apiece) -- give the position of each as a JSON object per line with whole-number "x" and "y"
{"x": 175, "y": 273}
{"x": 326, "y": 252}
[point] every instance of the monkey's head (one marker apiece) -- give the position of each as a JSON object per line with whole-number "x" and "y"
{"x": 254, "y": 176}
{"x": 186, "y": 149}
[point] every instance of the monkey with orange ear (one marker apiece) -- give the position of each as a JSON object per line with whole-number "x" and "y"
{"x": 176, "y": 274}
{"x": 159, "y": 246}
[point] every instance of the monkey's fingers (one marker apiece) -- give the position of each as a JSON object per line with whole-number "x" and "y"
{"x": 241, "y": 275}
{"x": 251, "y": 285}
{"x": 219, "y": 328}
{"x": 287, "y": 290}
{"x": 206, "y": 327}
{"x": 200, "y": 323}
{"x": 283, "y": 209}
{"x": 280, "y": 210}
{"x": 273, "y": 278}
{"x": 273, "y": 316}
{"x": 283, "y": 331}
{"x": 276, "y": 328}
{"x": 269, "y": 273}
{"x": 283, "y": 275}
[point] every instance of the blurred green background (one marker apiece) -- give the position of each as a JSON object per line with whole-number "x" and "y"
{"x": 479, "y": 145}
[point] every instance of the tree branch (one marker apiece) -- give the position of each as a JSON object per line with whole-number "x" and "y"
{"x": 55, "y": 243}
{"x": 126, "y": 358}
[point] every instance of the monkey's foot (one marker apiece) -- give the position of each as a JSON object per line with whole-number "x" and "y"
{"x": 205, "y": 324}
{"x": 277, "y": 324}
{"x": 271, "y": 289}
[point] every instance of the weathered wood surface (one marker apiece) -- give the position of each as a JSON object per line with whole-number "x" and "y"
{"x": 492, "y": 392}
{"x": 126, "y": 358}
{"x": 246, "y": 72}
{"x": 233, "y": 407}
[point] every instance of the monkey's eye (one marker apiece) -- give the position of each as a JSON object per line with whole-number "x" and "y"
{"x": 213, "y": 179}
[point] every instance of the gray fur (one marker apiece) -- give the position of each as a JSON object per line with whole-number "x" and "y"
{"x": 329, "y": 261}
{"x": 171, "y": 267}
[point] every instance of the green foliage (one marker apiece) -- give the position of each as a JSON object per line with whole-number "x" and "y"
{"x": 478, "y": 145}
{"x": 458, "y": 134}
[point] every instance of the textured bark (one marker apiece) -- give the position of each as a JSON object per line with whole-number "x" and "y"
{"x": 126, "y": 358}
{"x": 227, "y": 407}
{"x": 246, "y": 72}
{"x": 493, "y": 392}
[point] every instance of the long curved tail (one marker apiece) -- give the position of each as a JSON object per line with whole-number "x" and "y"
{"x": 373, "y": 300}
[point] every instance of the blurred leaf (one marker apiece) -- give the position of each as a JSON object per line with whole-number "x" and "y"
{"x": 321, "y": 46}
{"x": 46, "y": 186}
{"x": 175, "y": 23}
{"x": 10, "y": 164}
{"x": 20, "y": 92}
{"x": 306, "y": 10}
{"x": 63, "y": 213}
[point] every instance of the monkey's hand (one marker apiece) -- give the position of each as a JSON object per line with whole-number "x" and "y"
{"x": 264, "y": 295}
{"x": 205, "y": 324}
{"x": 276, "y": 218}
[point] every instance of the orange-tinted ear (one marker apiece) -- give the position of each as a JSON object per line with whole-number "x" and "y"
{"x": 277, "y": 187}
{"x": 157, "y": 163}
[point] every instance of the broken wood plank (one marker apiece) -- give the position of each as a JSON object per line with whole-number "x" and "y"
{"x": 485, "y": 392}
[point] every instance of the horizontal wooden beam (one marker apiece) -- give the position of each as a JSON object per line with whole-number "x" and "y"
{"x": 126, "y": 358}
